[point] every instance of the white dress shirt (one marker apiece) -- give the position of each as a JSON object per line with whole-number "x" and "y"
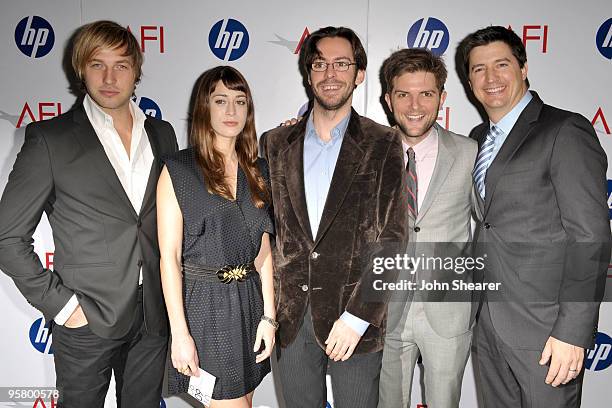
{"x": 132, "y": 170}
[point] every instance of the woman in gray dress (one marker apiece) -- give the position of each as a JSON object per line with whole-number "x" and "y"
{"x": 214, "y": 227}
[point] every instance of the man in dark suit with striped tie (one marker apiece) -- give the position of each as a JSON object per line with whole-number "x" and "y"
{"x": 540, "y": 177}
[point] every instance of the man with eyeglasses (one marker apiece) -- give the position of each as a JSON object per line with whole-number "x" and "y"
{"x": 338, "y": 186}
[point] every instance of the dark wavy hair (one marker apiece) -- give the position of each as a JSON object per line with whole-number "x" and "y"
{"x": 202, "y": 137}
{"x": 310, "y": 52}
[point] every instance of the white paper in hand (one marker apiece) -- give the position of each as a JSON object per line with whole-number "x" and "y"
{"x": 201, "y": 388}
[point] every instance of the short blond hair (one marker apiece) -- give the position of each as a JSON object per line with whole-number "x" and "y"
{"x": 104, "y": 34}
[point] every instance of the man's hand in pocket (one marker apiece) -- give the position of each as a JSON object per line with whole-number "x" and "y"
{"x": 77, "y": 319}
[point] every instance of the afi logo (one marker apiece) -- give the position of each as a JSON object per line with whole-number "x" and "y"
{"x": 444, "y": 117}
{"x": 429, "y": 33}
{"x": 34, "y": 36}
{"x": 40, "y": 401}
{"x": 45, "y": 110}
{"x": 293, "y": 46}
{"x": 49, "y": 260}
{"x": 599, "y": 117}
{"x": 603, "y": 39}
{"x": 151, "y": 33}
{"x": 228, "y": 39}
{"x": 599, "y": 357}
{"x": 535, "y": 33}
{"x": 149, "y": 107}
{"x": 40, "y": 336}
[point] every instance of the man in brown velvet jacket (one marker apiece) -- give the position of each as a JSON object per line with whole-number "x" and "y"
{"x": 338, "y": 186}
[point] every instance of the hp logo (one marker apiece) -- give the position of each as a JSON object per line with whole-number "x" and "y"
{"x": 604, "y": 39}
{"x": 599, "y": 357}
{"x": 149, "y": 107}
{"x": 40, "y": 336}
{"x": 34, "y": 36}
{"x": 429, "y": 33}
{"x": 228, "y": 39}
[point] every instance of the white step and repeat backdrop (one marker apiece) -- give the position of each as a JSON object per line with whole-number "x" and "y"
{"x": 569, "y": 46}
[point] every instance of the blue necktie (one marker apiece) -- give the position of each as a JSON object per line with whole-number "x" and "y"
{"x": 484, "y": 160}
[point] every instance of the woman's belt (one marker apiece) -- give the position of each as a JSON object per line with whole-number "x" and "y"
{"x": 226, "y": 274}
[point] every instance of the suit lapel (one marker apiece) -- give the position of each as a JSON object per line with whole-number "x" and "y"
{"x": 521, "y": 130}
{"x": 293, "y": 158}
{"x": 87, "y": 138}
{"x": 347, "y": 164}
{"x": 444, "y": 162}
{"x": 149, "y": 198}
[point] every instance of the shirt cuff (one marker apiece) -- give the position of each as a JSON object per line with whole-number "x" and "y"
{"x": 66, "y": 311}
{"x": 355, "y": 323}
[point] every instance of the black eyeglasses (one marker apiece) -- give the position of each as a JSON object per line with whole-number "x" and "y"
{"x": 321, "y": 66}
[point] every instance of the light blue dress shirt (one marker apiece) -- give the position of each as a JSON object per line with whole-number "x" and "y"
{"x": 319, "y": 164}
{"x": 507, "y": 123}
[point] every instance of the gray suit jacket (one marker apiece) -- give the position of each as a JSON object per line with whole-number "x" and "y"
{"x": 100, "y": 241}
{"x": 443, "y": 229}
{"x": 545, "y": 228}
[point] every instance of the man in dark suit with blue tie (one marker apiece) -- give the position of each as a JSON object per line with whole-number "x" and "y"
{"x": 540, "y": 179}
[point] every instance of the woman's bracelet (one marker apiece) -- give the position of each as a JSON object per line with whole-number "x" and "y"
{"x": 273, "y": 322}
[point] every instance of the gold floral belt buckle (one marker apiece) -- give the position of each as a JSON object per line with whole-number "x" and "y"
{"x": 230, "y": 273}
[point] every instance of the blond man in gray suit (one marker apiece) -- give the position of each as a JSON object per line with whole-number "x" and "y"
{"x": 439, "y": 164}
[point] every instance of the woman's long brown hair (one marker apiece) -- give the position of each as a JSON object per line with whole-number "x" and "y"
{"x": 202, "y": 135}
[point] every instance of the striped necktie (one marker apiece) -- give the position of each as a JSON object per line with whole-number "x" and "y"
{"x": 483, "y": 161}
{"x": 413, "y": 202}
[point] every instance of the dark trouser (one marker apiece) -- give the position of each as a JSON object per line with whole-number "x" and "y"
{"x": 303, "y": 366}
{"x": 84, "y": 362}
{"x": 512, "y": 378}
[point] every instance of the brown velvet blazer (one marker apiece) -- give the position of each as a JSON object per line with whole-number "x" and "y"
{"x": 365, "y": 205}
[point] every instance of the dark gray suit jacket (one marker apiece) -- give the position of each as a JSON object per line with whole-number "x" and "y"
{"x": 545, "y": 229}
{"x": 100, "y": 241}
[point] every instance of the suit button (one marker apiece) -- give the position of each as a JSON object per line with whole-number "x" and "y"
{"x": 304, "y": 288}
{"x": 314, "y": 255}
{"x": 139, "y": 263}
{"x": 410, "y": 265}
{"x": 487, "y": 225}
{"x": 139, "y": 223}
{"x": 417, "y": 229}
